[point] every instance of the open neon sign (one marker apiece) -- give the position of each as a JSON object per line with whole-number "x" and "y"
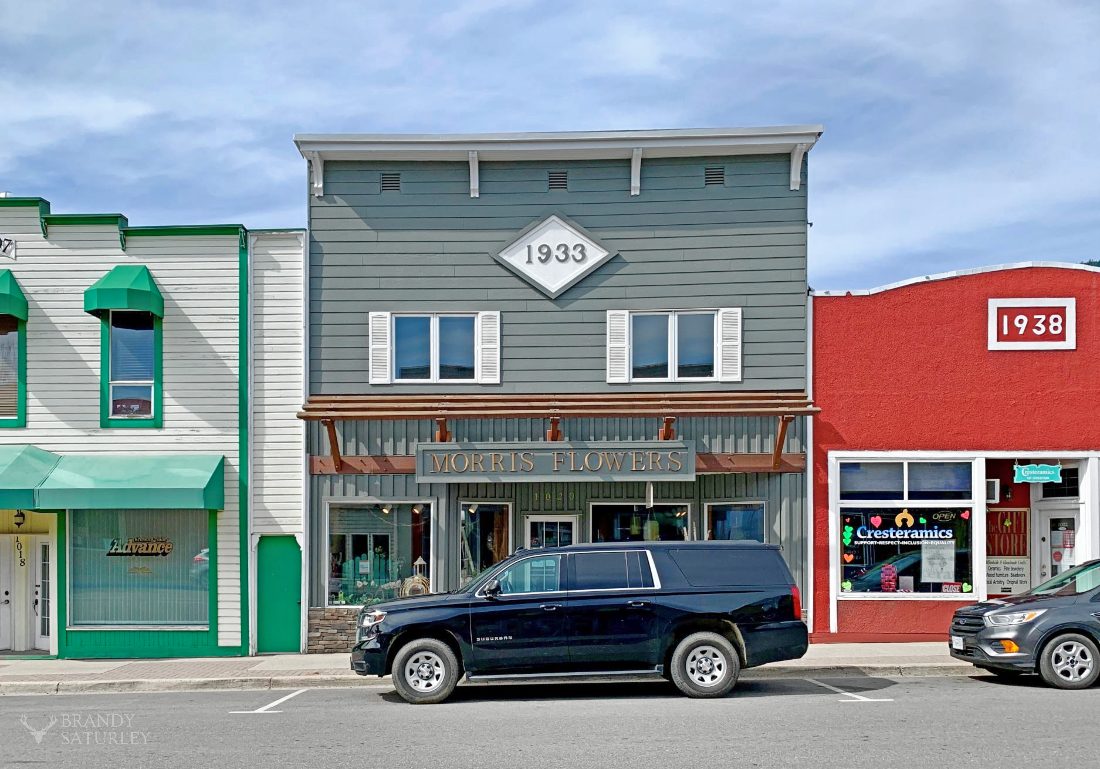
{"x": 1032, "y": 324}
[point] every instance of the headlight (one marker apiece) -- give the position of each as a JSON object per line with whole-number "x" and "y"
{"x": 372, "y": 618}
{"x": 1013, "y": 618}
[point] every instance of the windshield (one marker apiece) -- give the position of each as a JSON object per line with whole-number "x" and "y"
{"x": 473, "y": 585}
{"x": 1080, "y": 579}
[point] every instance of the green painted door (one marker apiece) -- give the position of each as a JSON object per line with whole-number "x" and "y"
{"x": 279, "y": 595}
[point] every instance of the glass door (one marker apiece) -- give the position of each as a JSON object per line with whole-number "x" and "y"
{"x": 550, "y": 530}
{"x": 1056, "y": 543}
{"x": 41, "y": 593}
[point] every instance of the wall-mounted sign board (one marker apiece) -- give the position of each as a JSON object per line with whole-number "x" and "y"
{"x": 1032, "y": 324}
{"x": 1037, "y": 474}
{"x": 1007, "y": 575}
{"x": 555, "y": 461}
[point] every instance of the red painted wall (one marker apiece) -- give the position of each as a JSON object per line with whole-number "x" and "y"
{"x": 909, "y": 369}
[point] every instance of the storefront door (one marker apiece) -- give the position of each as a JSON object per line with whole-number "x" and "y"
{"x": 1055, "y": 541}
{"x": 40, "y": 592}
{"x": 7, "y": 577}
{"x": 549, "y": 530}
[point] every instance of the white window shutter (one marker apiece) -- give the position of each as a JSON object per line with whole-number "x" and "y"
{"x": 618, "y": 346}
{"x": 488, "y": 347}
{"x": 380, "y": 348}
{"x": 729, "y": 344}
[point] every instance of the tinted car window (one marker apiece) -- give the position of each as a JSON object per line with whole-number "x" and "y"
{"x": 722, "y": 567}
{"x": 532, "y": 575}
{"x": 611, "y": 571}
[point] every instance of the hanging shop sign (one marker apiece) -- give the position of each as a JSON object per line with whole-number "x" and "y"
{"x": 554, "y": 461}
{"x": 140, "y": 546}
{"x": 553, "y": 254}
{"x": 1008, "y": 575}
{"x": 1037, "y": 474}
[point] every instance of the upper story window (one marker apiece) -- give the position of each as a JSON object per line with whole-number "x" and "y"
{"x": 133, "y": 366}
{"x": 674, "y": 346}
{"x": 13, "y": 372}
{"x": 411, "y": 348}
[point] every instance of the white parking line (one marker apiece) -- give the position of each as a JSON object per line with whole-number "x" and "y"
{"x": 268, "y": 708}
{"x": 855, "y": 697}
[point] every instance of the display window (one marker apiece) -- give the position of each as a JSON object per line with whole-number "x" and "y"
{"x": 735, "y": 521}
{"x": 485, "y": 540}
{"x": 638, "y": 523}
{"x": 379, "y": 552}
{"x": 891, "y": 548}
{"x": 139, "y": 568}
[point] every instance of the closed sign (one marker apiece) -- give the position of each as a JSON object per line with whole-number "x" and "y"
{"x": 1032, "y": 324}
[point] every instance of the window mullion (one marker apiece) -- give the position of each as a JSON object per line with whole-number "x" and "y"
{"x": 433, "y": 347}
{"x": 673, "y": 347}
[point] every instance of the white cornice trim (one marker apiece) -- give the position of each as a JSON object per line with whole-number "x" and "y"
{"x": 579, "y": 145}
{"x": 957, "y": 274}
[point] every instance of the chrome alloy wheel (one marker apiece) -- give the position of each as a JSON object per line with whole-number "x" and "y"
{"x": 425, "y": 671}
{"x": 706, "y": 666}
{"x": 1072, "y": 661}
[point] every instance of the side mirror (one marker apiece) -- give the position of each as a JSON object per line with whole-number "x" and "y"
{"x": 492, "y": 588}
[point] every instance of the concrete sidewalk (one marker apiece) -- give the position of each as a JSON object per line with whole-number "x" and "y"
{"x": 297, "y": 671}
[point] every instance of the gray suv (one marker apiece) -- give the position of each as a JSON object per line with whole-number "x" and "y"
{"x": 1052, "y": 630}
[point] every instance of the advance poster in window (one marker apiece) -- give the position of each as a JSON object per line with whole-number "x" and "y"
{"x": 937, "y": 560}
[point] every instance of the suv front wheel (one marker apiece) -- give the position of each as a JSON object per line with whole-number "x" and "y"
{"x": 425, "y": 671}
{"x": 705, "y": 665}
{"x": 1070, "y": 662}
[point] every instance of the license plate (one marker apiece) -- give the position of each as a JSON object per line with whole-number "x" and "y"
{"x": 957, "y": 642}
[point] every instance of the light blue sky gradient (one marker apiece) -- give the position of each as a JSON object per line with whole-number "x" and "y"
{"x": 957, "y": 133}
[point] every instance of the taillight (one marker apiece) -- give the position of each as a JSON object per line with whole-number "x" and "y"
{"x": 797, "y": 600}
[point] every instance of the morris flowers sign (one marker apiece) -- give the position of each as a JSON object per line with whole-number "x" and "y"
{"x": 553, "y": 254}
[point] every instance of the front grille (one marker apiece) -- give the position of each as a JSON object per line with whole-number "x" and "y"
{"x": 963, "y": 624}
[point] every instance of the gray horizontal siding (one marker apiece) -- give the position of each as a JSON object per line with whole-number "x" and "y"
{"x": 679, "y": 245}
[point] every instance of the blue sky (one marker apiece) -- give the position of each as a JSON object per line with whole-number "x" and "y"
{"x": 956, "y": 133}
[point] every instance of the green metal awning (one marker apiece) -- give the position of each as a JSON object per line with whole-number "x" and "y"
{"x": 12, "y": 301}
{"x": 22, "y": 471}
{"x": 126, "y": 287}
{"x": 135, "y": 481}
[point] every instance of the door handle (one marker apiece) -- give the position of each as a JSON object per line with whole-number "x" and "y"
{"x": 637, "y": 604}
{"x": 36, "y": 607}
{"x": 5, "y": 601}
{"x": 550, "y": 606}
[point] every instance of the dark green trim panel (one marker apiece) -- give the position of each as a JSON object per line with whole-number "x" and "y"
{"x": 20, "y": 418}
{"x": 243, "y": 462}
{"x": 105, "y": 418}
{"x": 12, "y": 299}
{"x": 185, "y": 229}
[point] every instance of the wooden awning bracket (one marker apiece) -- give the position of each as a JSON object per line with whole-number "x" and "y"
{"x": 333, "y": 444}
{"x": 668, "y": 430}
{"x": 780, "y": 440}
{"x": 554, "y": 433}
{"x": 442, "y": 434}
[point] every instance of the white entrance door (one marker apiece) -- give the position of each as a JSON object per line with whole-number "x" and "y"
{"x": 1054, "y": 540}
{"x": 41, "y": 593}
{"x": 549, "y": 530}
{"x": 7, "y": 578}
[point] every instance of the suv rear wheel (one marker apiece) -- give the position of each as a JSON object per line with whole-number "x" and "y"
{"x": 425, "y": 671}
{"x": 1070, "y": 661}
{"x": 705, "y": 665}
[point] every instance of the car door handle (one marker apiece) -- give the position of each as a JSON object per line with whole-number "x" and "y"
{"x": 637, "y": 604}
{"x": 550, "y": 606}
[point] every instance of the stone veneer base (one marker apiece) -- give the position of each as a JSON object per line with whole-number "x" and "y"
{"x": 331, "y": 629}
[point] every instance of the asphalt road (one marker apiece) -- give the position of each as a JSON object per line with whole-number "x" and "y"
{"x": 945, "y": 723}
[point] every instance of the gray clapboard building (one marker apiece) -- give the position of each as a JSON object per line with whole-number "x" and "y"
{"x": 528, "y": 340}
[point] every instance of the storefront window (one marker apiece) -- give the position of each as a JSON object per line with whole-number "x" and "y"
{"x": 872, "y": 480}
{"x": 484, "y": 540}
{"x": 939, "y": 480}
{"x": 638, "y": 523}
{"x": 379, "y": 552}
{"x": 923, "y": 550}
{"x": 139, "y": 567}
{"x": 735, "y": 521}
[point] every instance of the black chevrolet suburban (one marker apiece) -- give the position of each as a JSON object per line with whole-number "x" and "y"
{"x": 695, "y": 613}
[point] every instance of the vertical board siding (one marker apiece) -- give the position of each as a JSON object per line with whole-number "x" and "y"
{"x": 198, "y": 276}
{"x": 679, "y": 245}
{"x": 277, "y": 382}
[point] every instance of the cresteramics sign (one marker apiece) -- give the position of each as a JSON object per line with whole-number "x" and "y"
{"x": 555, "y": 461}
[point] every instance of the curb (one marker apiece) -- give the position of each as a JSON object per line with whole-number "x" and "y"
{"x": 345, "y": 681}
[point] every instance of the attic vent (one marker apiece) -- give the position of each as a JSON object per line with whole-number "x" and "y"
{"x": 391, "y": 181}
{"x": 558, "y": 180}
{"x": 714, "y": 176}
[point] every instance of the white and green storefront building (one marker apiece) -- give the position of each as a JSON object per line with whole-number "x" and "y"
{"x": 136, "y": 366}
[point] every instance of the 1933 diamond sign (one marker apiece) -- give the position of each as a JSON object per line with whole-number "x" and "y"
{"x": 553, "y": 254}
